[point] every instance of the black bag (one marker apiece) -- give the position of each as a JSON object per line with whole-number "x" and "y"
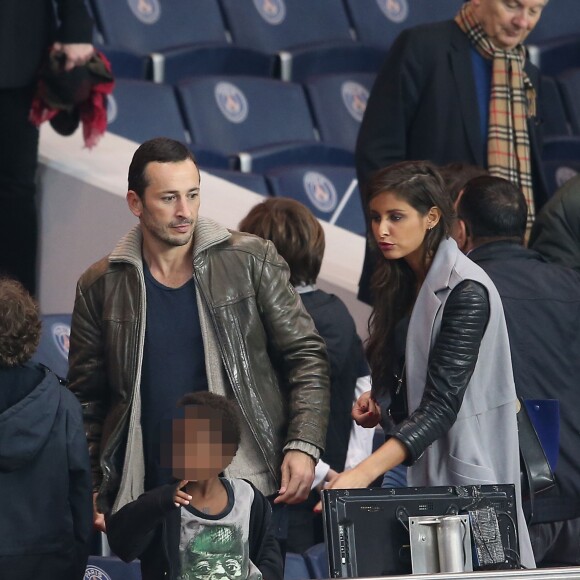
{"x": 536, "y": 473}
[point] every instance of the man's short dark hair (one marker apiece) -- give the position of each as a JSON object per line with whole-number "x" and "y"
{"x": 492, "y": 207}
{"x": 457, "y": 174}
{"x": 158, "y": 150}
{"x": 220, "y": 406}
{"x": 19, "y": 324}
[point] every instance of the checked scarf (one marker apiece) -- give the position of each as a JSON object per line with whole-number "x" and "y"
{"x": 512, "y": 101}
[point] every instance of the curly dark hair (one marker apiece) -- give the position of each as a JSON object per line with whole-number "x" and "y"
{"x": 20, "y": 324}
{"x": 219, "y": 406}
{"x": 394, "y": 283}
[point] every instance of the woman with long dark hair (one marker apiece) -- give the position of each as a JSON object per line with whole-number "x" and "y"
{"x": 438, "y": 349}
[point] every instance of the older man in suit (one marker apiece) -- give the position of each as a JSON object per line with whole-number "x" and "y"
{"x": 28, "y": 30}
{"x": 461, "y": 90}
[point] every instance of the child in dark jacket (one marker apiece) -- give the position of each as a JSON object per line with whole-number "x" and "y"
{"x": 202, "y": 526}
{"x": 45, "y": 476}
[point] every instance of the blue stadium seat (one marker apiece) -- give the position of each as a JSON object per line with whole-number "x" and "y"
{"x": 252, "y": 181}
{"x": 141, "y": 110}
{"x": 112, "y": 568}
{"x": 331, "y": 193}
{"x": 52, "y": 350}
{"x": 379, "y": 22}
{"x": 569, "y": 83}
{"x": 264, "y": 122}
{"x": 316, "y": 558}
{"x": 561, "y": 160}
{"x": 555, "y": 56}
{"x": 210, "y": 159}
{"x": 309, "y": 37}
{"x": 553, "y": 113}
{"x": 560, "y": 18}
{"x": 338, "y": 103}
{"x": 295, "y": 567}
{"x": 126, "y": 64}
{"x": 182, "y": 37}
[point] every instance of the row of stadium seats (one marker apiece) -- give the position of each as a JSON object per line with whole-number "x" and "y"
{"x": 256, "y": 125}
{"x": 167, "y": 40}
{"x": 173, "y": 39}
{"x": 233, "y": 114}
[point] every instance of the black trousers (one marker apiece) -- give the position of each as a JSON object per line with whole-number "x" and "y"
{"x": 18, "y": 162}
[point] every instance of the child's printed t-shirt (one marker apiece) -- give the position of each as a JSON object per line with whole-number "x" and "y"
{"x": 216, "y": 547}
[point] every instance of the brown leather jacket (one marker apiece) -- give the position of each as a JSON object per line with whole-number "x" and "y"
{"x": 263, "y": 332}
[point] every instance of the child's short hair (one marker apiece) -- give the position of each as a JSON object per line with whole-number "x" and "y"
{"x": 19, "y": 324}
{"x": 231, "y": 431}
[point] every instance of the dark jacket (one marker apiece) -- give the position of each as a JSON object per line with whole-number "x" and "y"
{"x": 423, "y": 105}
{"x": 45, "y": 480}
{"x": 542, "y": 310}
{"x": 28, "y": 28}
{"x": 149, "y": 529}
{"x": 274, "y": 359}
{"x": 347, "y": 363}
{"x": 556, "y": 231}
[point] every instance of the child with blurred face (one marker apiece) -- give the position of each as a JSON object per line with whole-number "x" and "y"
{"x": 205, "y": 525}
{"x": 203, "y": 446}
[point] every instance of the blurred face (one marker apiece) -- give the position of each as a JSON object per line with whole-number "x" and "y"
{"x": 198, "y": 450}
{"x": 170, "y": 205}
{"x": 399, "y": 229}
{"x": 507, "y": 23}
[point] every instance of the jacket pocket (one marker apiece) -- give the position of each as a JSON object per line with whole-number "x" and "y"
{"x": 464, "y": 473}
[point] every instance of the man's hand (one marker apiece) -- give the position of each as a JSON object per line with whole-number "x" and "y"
{"x": 98, "y": 517}
{"x": 76, "y": 54}
{"x": 297, "y": 477}
{"x": 366, "y": 412}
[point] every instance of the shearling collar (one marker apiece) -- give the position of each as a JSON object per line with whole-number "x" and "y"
{"x": 207, "y": 233}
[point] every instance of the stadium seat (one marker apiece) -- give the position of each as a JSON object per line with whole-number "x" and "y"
{"x": 331, "y": 193}
{"x": 264, "y": 122}
{"x": 52, "y": 350}
{"x": 112, "y": 568}
{"x": 555, "y": 56}
{"x": 338, "y": 103}
{"x": 141, "y": 110}
{"x": 379, "y": 22}
{"x": 252, "y": 181}
{"x": 182, "y": 38}
{"x": 569, "y": 84}
{"x": 126, "y": 64}
{"x": 316, "y": 558}
{"x": 561, "y": 161}
{"x": 295, "y": 567}
{"x": 553, "y": 113}
{"x": 560, "y": 18}
{"x": 308, "y": 37}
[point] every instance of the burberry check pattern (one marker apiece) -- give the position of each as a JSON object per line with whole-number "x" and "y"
{"x": 512, "y": 101}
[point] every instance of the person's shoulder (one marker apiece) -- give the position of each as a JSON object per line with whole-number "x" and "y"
{"x": 94, "y": 272}
{"x": 251, "y": 245}
{"x": 432, "y": 33}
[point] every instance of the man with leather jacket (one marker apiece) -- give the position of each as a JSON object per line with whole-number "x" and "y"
{"x": 184, "y": 304}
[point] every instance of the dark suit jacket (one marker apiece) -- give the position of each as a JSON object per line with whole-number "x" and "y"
{"x": 542, "y": 309}
{"x": 423, "y": 106}
{"x": 29, "y": 27}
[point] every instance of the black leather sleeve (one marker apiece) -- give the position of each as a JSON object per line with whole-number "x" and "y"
{"x": 451, "y": 364}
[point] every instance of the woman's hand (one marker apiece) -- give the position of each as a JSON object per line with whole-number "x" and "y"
{"x": 349, "y": 479}
{"x": 180, "y": 497}
{"x": 366, "y": 412}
